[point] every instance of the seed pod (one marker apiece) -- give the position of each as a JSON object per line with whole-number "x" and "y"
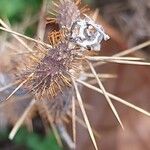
{"x": 68, "y": 13}
{"x": 51, "y": 73}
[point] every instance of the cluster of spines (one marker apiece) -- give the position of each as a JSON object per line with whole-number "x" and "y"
{"x": 45, "y": 71}
{"x": 66, "y": 12}
{"x": 63, "y": 14}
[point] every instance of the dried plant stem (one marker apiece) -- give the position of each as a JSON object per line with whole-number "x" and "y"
{"x": 77, "y": 2}
{"x": 52, "y": 125}
{"x": 84, "y": 114}
{"x": 133, "y": 49}
{"x": 16, "y": 35}
{"x": 21, "y": 120}
{"x": 25, "y": 37}
{"x": 126, "y": 52}
{"x": 101, "y": 76}
{"x": 7, "y": 29}
{"x": 107, "y": 58}
{"x": 95, "y": 14}
{"x": 74, "y": 119}
{"x": 115, "y": 98}
{"x": 106, "y": 95}
{"x": 122, "y": 60}
{"x": 130, "y": 62}
{"x": 94, "y": 81}
{"x": 55, "y": 4}
{"x": 42, "y": 23}
{"x": 65, "y": 136}
{"x": 81, "y": 122}
{"x": 8, "y": 86}
{"x": 19, "y": 86}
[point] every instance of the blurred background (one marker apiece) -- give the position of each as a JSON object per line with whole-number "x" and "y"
{"x": 127, "y": 22}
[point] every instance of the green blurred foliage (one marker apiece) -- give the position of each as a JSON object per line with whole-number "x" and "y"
{"x": 90, "y": 2}
{"x": 31, "y": 141}
{"x": 15, "y": 10}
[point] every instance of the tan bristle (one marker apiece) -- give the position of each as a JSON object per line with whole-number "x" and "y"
{"x": 55, "y": 37}
{"x": 84, "y": 9}
{"x": 51, "y": 71}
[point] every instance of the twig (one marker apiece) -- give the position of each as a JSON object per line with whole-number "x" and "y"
{"x": 52, "y": 125}
{"x": 115, "y": 98}
{"x": 101, "y": 76}
{"x": 65, "y": 136}
{"x": 133, "y": 49}
{"x": 23, "y": 36}
{"x": 95, "y": 14}
{"x": 8, "y": 86}
{"x": 81, "y": 122}
{"x": 7, "y": 29}
{"x": 106, "y": 95}
{"x": 129, "y": 62}
{"x": 42, "y": 23}
{"x": 84, "y": 114}
{"x": 126, "y": 52}
{"x": 19, "y": 86}
{"x": 21, "y": 120}
{"x": 107, "y": 58}
{"x": 74, "y": 120}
